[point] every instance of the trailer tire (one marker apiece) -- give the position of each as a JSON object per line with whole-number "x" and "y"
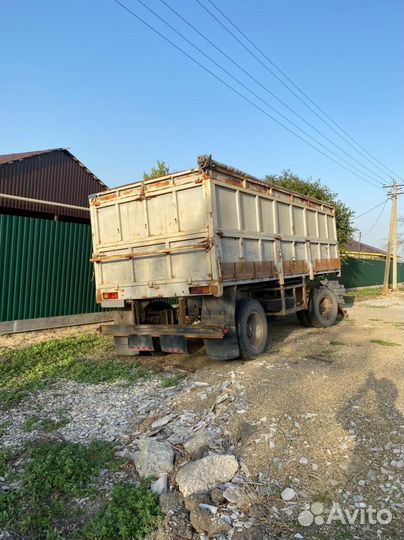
{"x": 303, "y": 317}
{"x": 252, "y": 328}
{"x": 323, "y": 307}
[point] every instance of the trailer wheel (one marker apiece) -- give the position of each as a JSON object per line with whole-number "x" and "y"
{"x": 252, "y": 328}
{"x": 303, "y": 317}
{"x": 323, "y": 309}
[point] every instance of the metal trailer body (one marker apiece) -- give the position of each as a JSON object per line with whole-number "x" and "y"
{"x": 202, "y": 232}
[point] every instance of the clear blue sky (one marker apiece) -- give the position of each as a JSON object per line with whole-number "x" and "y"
{"x": 86, "y": 75}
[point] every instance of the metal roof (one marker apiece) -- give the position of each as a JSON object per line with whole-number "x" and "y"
{"x": 10, "y": 158}
{"x": 354, "y": 246}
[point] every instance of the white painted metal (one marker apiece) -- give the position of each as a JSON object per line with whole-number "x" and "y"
{"x": 160, "y": 237}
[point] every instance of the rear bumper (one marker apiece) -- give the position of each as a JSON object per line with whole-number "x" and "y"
{"x": 197, "y": 331}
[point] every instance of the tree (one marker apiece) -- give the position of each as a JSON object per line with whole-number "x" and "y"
{"x": 161, "y": 169}
{"x": 314, "y": 188}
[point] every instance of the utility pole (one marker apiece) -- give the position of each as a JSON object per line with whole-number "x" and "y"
{"x": 392, "y": 241}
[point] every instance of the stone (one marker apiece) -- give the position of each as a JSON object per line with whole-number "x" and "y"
{"x": 198, "y": 445}
{"x": 170, "y": 502}
{"x": 209, "y": 507}
{"x": 162, "y": 421}
{"x": 218, "y": 526}
{"x": 217, "y": 496}
{"x": 200, "y": 520}
{"x": 206, "y": 473}
{"x": 193, "y": 501}
{"x": 235, "y": 495}
{"x": 288, "y": 494}
{"x": 154, "y": 457}
{"x": 160, "y": 485}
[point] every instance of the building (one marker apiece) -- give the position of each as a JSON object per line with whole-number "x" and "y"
{"x": 45, "y": 240}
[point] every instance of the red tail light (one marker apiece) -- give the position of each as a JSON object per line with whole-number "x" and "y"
{"x": 110, "y": 296}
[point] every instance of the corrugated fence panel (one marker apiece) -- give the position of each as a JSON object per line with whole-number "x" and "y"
{"x": 366, "y": 272}
{"x": 44, "y": 268}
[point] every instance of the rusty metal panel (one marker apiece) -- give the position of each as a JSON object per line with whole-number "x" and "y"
{"x": 52, "y": 175}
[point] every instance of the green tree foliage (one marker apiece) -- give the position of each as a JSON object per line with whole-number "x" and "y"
{"x": 314, "y": 188}
{"x": 160, "y": 169}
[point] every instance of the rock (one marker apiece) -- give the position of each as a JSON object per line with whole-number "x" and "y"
{"x": 217, "y": 496}
{"x": 209, "y": 507}
{"x": 154, "y": 457}
{"x": 218, "y": 526}
{"x": 197, "y": 446}
{"x": 160, "y": 485}
{"x": 235, "y": 495}
{"x": 303, "y": 461}
{"x": 288, "y": 494}
{"x": 200, "y": 520}
{"x": 162, "y": 421}
{"x": 206, "y": 473}
{"x": 193, "y": 501}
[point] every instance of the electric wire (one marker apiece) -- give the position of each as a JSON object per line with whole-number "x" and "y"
{"x": 377, "y": 219}
{"x": 371, "y": 209}
{"x": 126, "y": 8}
{"x": 375, "y": 176}
{"x": 385, "y": 168}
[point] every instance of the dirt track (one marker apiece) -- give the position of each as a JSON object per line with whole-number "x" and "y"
{"x": 320, "y": 413}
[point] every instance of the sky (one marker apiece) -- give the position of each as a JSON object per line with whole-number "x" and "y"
{"x": 87, "y": 75}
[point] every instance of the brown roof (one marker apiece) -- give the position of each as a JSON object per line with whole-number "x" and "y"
{"x": 353, "y": 245}
{"x": 10, "y": 158}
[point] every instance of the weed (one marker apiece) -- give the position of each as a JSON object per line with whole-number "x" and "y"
{"x": 375, "y": 320}
{"x": 337, "y": 343}
{"x": 132, "y": 512}
{"x": 4, "y": 427}
{"x": 35, "y": 423}
{"x": 168, "y": 382}
{"x": 54, "y": 473}
{"x": 384, "y": 343}
{"x": 82, "y": 359}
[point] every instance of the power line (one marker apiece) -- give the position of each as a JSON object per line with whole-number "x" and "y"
{"x": 377, "y": 219}
{"x": 376, "y": 176}
{"x": 294, "y": 84}
{"x": 371, "y": 209}
{"x": 247, "y": 88}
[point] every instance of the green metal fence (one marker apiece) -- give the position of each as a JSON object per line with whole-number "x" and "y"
{"x": 44, "y": 268}
{"x": 366, "y": 272}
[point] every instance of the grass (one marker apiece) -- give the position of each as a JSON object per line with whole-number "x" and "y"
{"x": 85, "y": 358}
{"x": 52, "y": 476}
{"x": 367, "y": 293}
{"x": 132, "y": 512}
{"x": 170, "y": 381}
{"x": 36, "y": 423}
{"x": 385, "y": 343}
{"x": 337, "y": 343}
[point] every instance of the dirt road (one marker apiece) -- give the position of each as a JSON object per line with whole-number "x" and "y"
{"x": 316, "y": 425}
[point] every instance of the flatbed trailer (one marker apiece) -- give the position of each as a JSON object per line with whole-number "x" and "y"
{"x": 209, "y": 253}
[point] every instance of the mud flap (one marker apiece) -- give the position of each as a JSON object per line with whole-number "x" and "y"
{"x": 223, "y": 349}
{"x": 173, "y": 344}
{"x": 222, "y": 311}
{"x": 141, "y": 343}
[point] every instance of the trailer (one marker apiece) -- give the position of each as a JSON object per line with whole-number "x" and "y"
{"x": 210, "y": 253}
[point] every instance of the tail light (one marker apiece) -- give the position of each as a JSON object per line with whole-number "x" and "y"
{"x": 110, "y": 296}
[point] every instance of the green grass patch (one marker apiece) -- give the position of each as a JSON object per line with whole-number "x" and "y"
{"x": 385, "y": 343}
{"x": 86, "y": 358}
{"x": 170, "y": 381}
{"x": 132, "y": 512}
{"x": 337, "y": 343}
{"x": 52, "y": 475}
{"x": 36, "y": 423}
{"x": 366, "y": 293}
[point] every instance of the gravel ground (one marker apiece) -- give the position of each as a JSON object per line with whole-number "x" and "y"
{"x": 318, "y": 420}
